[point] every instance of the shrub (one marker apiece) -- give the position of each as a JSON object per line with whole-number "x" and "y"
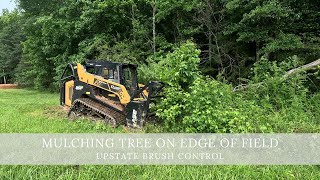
{"x": 194, "y": 103}
{"x": 177, "y": 69}
{"x": 211, "y": 106}
{"x": 274, "y": 91}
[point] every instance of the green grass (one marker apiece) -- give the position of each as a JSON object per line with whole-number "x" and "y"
{"x": 26, "y": 111}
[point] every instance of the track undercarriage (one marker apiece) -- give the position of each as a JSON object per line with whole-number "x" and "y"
{"x": 91, "y": 108}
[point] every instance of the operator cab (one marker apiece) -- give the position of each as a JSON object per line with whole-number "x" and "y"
{"x": 121, "y": 73}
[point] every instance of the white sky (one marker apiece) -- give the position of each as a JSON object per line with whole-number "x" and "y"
{"x": 7, "y": 4}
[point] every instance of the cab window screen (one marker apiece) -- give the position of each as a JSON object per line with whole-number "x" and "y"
{"x": 90, "y": 70}
{"x": 127, "y": 74}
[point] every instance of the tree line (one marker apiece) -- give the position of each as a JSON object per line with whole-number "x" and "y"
{"x": 40, "y": 37}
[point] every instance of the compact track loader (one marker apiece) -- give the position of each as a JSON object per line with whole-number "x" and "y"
{"x": 107, "y": 90}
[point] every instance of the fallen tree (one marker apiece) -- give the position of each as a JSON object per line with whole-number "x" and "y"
{"x": 309, "y": 66}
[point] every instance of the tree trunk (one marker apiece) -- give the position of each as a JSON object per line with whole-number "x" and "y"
{"x": 133, "y": 21}
{"x": 154, "y": 9}
{"x": 208, "y": 12}
{"x": 306, "y": 67}
{"x": 302, "y": 68}
{"x": 210, "y": 47}
{"x": 257, "y": 52}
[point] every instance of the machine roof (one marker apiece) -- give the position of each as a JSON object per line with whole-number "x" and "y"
{"x": 107, "y": 63}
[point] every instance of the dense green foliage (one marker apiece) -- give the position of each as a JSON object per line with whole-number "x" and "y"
{"x": 11, "y": 36}
{"x": 232, "y": 35}
{"x": 195, "y": 103}
{"x": 200, "y": 49}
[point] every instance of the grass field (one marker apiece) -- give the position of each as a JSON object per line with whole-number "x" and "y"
{"x": 26, "y": 111}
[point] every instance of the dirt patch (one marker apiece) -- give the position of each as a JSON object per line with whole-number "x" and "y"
{"x": 8, "y": 86}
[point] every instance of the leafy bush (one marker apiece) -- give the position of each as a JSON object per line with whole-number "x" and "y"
{"x": 194, "y": 103}
{"x": 274, "y": 90}
{"x": 285, "y": 102}
{"x": 211, "y": 106}
{"x": 177, "y": 69}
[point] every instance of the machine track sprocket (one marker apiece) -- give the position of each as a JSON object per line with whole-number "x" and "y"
{"x": 89, "y": 107}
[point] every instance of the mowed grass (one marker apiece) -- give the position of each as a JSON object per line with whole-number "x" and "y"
{"x": 26, "y": 111}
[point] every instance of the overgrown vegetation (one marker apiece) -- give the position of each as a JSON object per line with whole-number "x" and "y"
{"x": 196, "y": 103}
{"x": 201, "y": 49}
{"x": 232, "y": 35}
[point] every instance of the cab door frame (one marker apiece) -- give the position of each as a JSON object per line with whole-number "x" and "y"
{"x": 66, "y": 76}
